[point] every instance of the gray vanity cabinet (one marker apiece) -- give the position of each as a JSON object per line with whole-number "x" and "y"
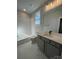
{"x": 41, "y": 43}
{"x": 51, "y": 51}
{"x": 50, "y": 48}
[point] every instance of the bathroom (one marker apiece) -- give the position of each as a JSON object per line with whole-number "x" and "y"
{"x": 34, "y": 29}
{"x": 35, "y": 20}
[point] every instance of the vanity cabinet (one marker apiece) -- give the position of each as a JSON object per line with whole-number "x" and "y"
{"x": 40, "y": 43}
{"x": 51, "y": 51}
{"x": 50, "y": 48}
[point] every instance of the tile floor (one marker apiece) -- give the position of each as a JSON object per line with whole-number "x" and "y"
{"x": 29, "y": 50}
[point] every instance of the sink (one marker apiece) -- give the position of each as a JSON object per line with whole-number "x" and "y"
{"x": 52, "y": 35}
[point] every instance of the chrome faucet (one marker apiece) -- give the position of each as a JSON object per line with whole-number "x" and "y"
{"x": 50, "y": 32}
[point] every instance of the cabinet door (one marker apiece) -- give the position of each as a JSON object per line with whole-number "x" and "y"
{"x": 51, "y": 51}
{"x": 41, "y": 44}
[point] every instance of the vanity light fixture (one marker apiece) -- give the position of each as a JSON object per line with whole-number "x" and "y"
{"x": 53, "y": 4}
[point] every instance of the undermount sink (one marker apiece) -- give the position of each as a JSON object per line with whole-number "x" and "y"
{"x": 48, "y": 34}
{"x": 52, "y": 34}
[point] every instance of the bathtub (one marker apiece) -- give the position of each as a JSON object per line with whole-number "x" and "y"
{"x": 21, "y": 36}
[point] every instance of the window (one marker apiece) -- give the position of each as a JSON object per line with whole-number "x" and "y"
{"x": 37, "y": 18}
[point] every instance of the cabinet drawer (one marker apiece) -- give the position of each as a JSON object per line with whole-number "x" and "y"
{"x": 55, "y": 44}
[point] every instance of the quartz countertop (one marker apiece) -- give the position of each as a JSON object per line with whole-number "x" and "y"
{"x": 54, "y": 36}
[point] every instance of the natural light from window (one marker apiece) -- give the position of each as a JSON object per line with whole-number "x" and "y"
{"x": 37, "y": 18}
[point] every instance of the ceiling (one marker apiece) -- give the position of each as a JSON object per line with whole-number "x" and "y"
{"x": 29, "y": 5}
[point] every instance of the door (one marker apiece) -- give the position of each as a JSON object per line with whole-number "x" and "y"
{"x": 51, "y": 51}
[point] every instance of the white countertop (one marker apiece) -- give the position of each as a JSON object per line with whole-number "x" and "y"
{"x": 54, "y": 36}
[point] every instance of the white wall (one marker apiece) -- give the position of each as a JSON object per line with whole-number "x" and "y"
{"x": 23, "y": 25}
{"x": 26, "y": 25}
{"x": 33, "y": 25}
{"x": 50, "y": 20}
